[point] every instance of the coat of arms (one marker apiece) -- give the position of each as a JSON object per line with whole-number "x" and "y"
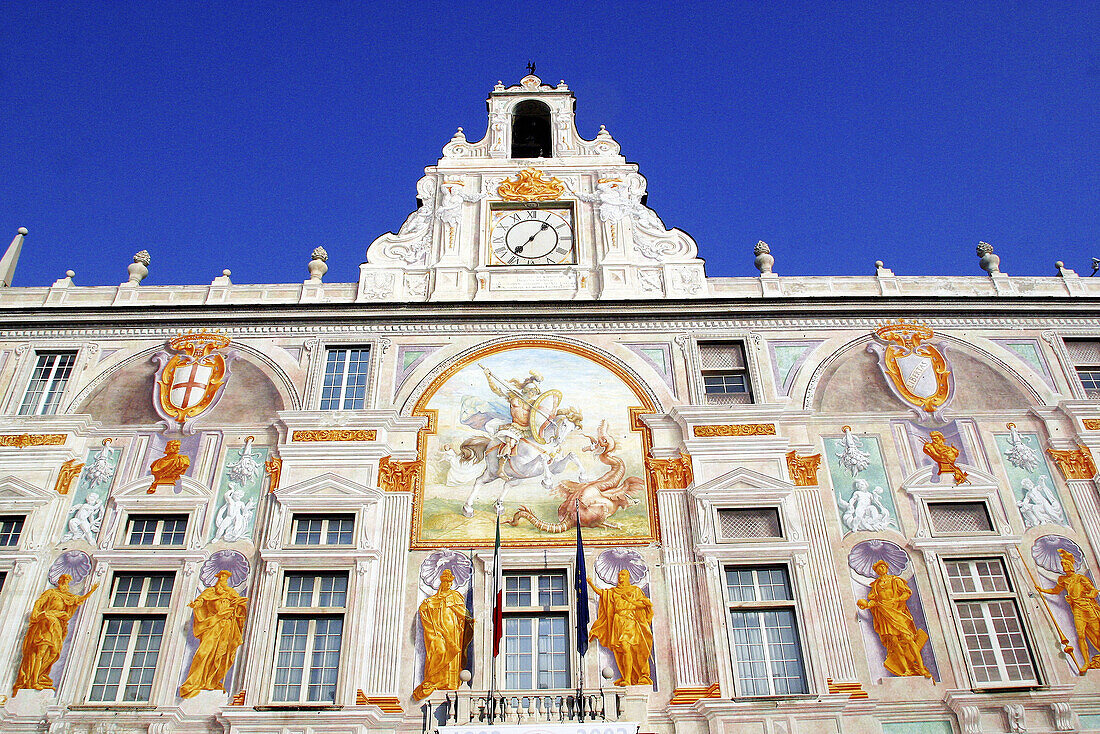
{"x": 916, "y": 371}
{"x": 191, "y": 381}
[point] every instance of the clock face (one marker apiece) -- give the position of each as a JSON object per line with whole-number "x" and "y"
{"x": 532, "y": 237}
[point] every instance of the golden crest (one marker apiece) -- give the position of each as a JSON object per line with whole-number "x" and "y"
{"x": 529, "y": 185}
{"x": 918, "y": 372}
{"x": 192, "y": 380}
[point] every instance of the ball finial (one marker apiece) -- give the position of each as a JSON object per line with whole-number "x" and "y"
{"x": 879, "y": 263}
{"x": 70, "y": 273}
{"x": 226, "y": 272}
{"x": 22, "y": 231}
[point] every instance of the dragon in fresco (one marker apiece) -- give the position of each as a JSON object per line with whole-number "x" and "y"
{"x": 593, "y": 501}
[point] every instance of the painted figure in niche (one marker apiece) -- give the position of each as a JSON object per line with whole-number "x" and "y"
{"x": 888, "y": 602}
{"x": 1019, "y": 454}
{"x": 219, "y": 613}
{"x": 592, "y": 503}
{"x": 1081, "y": 597}
{"x": 851, "y": 455}
{"x": 86, "y": 520}
{"x": 235, "y": 516}
{"x": 945, "y": 455}
{"x": 864, "y": 509}
{"x": 624, "y": 625}
{"x": 169, "y": 468}
{"x": 1039, "y": 506}
{"x": 448, "y": 628}
{"x": 49, "y": 623}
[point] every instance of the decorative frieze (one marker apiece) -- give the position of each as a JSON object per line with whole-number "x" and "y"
{"x": 23, "y": 440}
{"x": 742, "y": 429}
{"x": 336, "y": 434}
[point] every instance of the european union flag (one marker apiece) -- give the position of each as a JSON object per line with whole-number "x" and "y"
{"x": 582, "y": 592}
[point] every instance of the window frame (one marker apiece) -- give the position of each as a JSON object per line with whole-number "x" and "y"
{"x": 22, "y": 520}
{"x": 160, "y": 517}
{"x": 342, "y": 397}
{"x": 774, "y": 506}
{"x": 984, "y": 597}
{"x": 750, "y": 372}
{"x": 730, "y": 606}
{"x": 312, "y": 614}
{"x": 27, "y": 377}
{"x": 326, "y": 519}
{"x": 537, "y": 611}
{"x": 109, "y": 613}
{"x": 963, "y": 500}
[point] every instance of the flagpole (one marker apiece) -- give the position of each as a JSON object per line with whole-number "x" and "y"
{"x": 581, "y": 586}
{"x": 496, "y": 622}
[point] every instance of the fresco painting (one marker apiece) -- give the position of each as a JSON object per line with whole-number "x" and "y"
{"x": 542, "y": 433}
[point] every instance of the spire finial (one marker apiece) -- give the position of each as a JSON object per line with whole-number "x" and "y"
{"x": 11, "y": 258}
{"x": 530, "y": 67}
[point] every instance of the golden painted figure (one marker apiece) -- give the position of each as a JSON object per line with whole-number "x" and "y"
{"x": 448, "y": 629}
{"x": 894, "y": 623}
{"x": 945, "y": 455}
{"x": 624, "y": 625}
{"x": 219, "y": 625}
{"x": 170, "y": 467}
{"x": 49, "y": 623}
{"x": 1081, "y": 597}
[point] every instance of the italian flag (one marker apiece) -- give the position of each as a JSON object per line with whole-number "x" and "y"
{"x": 498, "y": 595}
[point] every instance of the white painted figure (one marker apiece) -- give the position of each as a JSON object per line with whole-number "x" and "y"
{"x": 1019, "y": 453}
{"x": 245, "y": 469}
{"x": 86, "y": 520}
{"x": 235, "y": 516}
{"x": 100, "y": 471}
{"x": 1039, "y": 506}
{"x": 864, "y": 509}
{"x": 852, "y": 456}
{"x": 461, "y": 470}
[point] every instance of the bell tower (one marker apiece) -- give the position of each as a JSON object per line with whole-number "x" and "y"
{"x": 532, "y": 211}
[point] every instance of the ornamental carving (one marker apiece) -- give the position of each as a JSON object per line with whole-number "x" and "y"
{"x": 33, "y": 439}
{"x": 803, "y": 469}
{"x": 742, "y": 429}
{"x": 191, "y": 382}
{"x": 917, "y": 372}
{"x": 1092, "y": 424}
{"x": 670, "y": 473}
{"x": 398, "y": 476}
{"x": 70, "y": 470}
{"x": 336, "y": 434}
{"x": 274, "y": 468}
{"x": 529, "y": 185}
{"x": 1075, "y": 464}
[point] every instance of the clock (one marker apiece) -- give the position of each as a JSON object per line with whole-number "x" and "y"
{"x": 532, "y": 236}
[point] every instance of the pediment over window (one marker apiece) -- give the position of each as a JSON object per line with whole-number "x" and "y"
{"x": 186, "y": 489}
{"x": 327, "y": 488}
{"x": 15, "y": 494}
{"x": 738, "y": 483}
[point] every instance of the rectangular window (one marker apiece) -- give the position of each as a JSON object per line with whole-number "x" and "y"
{"x": 166, "y": 530}
{"x": 323, "y": 529}
{"x": 346, "y": 370}
{"x": 756, "y": 522}
{"x": 959, "y": 518}
{"x": 51, "y": 374}
{"x": 1085, "y": 355}
{"x": 130, "y": 639}
{"x": 989, "y": 616}
{"x": 1090, "y": 380}
{"x": 309, "y": 634}
{"x": 725, "y": 377}
{"x": 763, "y": 632}
{"x": 536, "y": 624}
{"x": 11, "y": 527}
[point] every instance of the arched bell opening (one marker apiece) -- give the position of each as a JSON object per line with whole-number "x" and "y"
{"x": 531, "y": 130}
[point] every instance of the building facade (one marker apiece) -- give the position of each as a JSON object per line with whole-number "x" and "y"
{"x": 807, "y": 504}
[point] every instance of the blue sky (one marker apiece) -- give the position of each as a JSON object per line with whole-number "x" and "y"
{"x": 241, "y": 135}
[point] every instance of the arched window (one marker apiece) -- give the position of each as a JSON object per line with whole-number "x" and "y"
{"x": 531, "y": 137}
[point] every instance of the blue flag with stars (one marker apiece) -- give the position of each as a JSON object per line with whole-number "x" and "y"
{"x": 582, "y": 593}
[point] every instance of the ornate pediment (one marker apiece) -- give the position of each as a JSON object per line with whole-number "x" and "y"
{"x": 15, "y": 494}
{"x": 326, "y": 488}
{"x": 738, "y": 482}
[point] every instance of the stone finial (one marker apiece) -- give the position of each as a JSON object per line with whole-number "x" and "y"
{"x": 66, "y": 281}
{"x": 1064, "y": 271}
{"x": 764, "y": 260}
{"x": 223, "y": 279}
{"x": 317, "y": 265}
{"x": 882, "y": 271}
{"x": 11, "y": 257}
{"x": 990, "y": 261}
{"x": 139, "y": 268}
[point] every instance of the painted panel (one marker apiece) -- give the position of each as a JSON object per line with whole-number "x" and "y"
{"x": 863, "y": 495}
{"x": 541, "y": 428}
{"x": 1033, "y": 486}
{"x": 239, "y": 493}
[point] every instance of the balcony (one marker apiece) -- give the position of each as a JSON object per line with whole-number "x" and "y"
{"x": 605, "y": 711}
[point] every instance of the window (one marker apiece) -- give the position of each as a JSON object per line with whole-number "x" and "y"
{"x": 11, "y": 527}
{"x": 51, "y": 373}
{"x": 989, "y": 617}
{"x": 133, "y": 627}
{"x": 323, "y": 529}
{"x": 345, "y": 385}
{"x": 156, "y": 529}
{"x": 531, "y": 130}
{"x": 1085, "y": 355}
{"x": 764, "y": 632}
{"x": 725, "y": 378}
{"x": 959, "y": 518}
{"x": 536, "y": 624}
{"x": 756, "y": 522}
{"x": 310, "y": 626}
